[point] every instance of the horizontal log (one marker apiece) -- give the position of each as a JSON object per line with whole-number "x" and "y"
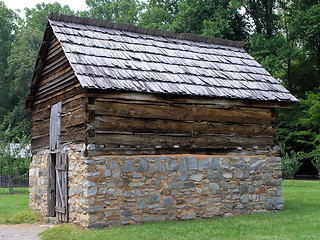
{"x": 181, "y": 112}
{"x": 96, "y": 93}
{"x": 152, "y": 151}
{"x": 171, "y": 141}
{"x": 74, "y": 119}
{"x": 41, "y": 113}
{"x": 136, "y": 125}
{"x": 68, "y": 92}
{"x": 74, "y": 135}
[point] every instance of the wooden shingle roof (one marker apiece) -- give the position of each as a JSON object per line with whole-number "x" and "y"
{"x": 122, "y": 57}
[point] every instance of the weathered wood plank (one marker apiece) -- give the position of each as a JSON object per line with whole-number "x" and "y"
{"x": 222, "y": 141}
{"x": 142, "y": 125}
{"x": 181, "y": 112}
{"x": 95, "y": 93}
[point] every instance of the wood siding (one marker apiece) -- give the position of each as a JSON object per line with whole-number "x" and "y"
{"x": 57, "y": 83}
{"x": 133, "y": 123}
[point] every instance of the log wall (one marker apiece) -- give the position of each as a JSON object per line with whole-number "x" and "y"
{"x": 58, "y": 83}
{"x": 135, "y": 123}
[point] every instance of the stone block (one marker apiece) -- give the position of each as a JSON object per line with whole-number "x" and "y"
{"x": 107, "y": 173}
{"x": 157, "y": 167}
{"x": 189, "y": 185}
{"x": 244, "y": 189}
{"x": 257, "y": 165}
{"x": 227, "y": 175}
{"x": 126, "y": 213}
{"x": 214, "y": 186}
{"x": 155, "y": 198}
{"x": 89, "y": 192}
{"x": 196, "y": 177}
{"x": 144, "y": 166}
{"x": 191, "y": 215}
{"x": 93, "y": 209}
{"x": 128, "y": 166}
{"x": 168, "y": 201}
{"x": 113, "y": 165}
{"x": 223, "y": 184}
{"x": 87, "y": 183}
{"x": 244, "y": 198}
{"x": 153, "y": 218}
{"x": 193, "y": 163}
{"x": 92, "y": 175}
{"x": 136, "y": 175}
{"x": 184, "y": 164}
{"x": 274, "y": 183}
{"x": 238, "y": 173}
{"x": 205, "y": 163}
{"x": 135, "y": 218}
{"x": 218, "y": 175}
{"x": 216, "y": 163}
{"x": 127, "y": 194}
{"x": 142, "y": 203}
{"x": 172, "y": 165}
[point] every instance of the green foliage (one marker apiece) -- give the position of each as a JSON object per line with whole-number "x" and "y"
{"x": 306, "y": 27}
{"x": 120, "y": 11}
{"x": 290, "y": 163}
{"x": 208, "y": 17}
{"x": 14, "y": 155}
{"x": 20, "y": 65}
{"x": 272, "y": 53}
{"x": 8, "y": 20}
{"x": 36, "y": 18}
{"x": 299, "y": 220}
{"x": 159, "y": 14}
{"x": 262, "y": 12}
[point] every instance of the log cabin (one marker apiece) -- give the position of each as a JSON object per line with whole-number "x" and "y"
{"x": 132, "y": 125}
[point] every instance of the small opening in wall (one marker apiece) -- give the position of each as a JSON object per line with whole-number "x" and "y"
{"x": 52, "y": 185}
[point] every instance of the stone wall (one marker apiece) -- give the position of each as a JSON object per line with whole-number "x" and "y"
{"x": 108, "y": 191}
{"x": 112, "y": 191}
{"x": 38, "y": 180}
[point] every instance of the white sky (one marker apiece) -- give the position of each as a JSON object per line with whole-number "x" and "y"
{"x": 21, "y": 4}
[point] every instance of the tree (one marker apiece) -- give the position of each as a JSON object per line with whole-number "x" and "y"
{"x": 159, "y": 14}
{"x": 119, "y": 11}
{"x": 7, "y": 34}
{"x": 262, "y": 12}
{"x": 14, "y": 155}
{"x": 37, "y": 17}
{"x": 218, "y": 18}
{"x": 20, "y": 65}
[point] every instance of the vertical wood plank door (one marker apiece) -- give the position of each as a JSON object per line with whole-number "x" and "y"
{"x": 61, "y": 188}
{"x": 55, "y": 125}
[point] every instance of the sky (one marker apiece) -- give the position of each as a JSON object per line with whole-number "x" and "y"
{"x": 21, "y": 4}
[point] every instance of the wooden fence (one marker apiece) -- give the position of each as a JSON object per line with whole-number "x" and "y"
{"x": 21, "y": 181}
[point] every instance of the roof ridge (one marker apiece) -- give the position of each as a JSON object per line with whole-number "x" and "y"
{"x": 148, "y": 31}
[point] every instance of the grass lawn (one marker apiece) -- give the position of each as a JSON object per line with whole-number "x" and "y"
{"x": 14, "y": 208}
{"x": 299, "y": 220}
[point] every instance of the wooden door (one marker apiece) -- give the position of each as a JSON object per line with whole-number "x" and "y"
{"x": 61, "y": 187}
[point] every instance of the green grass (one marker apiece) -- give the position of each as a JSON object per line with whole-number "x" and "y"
{"x": 299, "y": 220}
{"x": 14, "y": 208}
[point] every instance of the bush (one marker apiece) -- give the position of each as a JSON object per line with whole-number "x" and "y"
{"x": 290, "y": 163}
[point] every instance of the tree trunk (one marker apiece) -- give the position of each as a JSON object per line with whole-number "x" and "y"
{"x": 289, "y": 75}
{"x": 10, "y": 184}
{"x": 10, "y": 179}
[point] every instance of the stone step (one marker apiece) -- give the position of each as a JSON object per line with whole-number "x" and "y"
{"x": 52, "y": 220}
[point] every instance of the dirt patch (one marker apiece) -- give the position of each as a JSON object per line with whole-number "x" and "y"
{"x": 22, "y": 231}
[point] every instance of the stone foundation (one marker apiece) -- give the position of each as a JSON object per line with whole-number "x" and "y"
{"x": 108, "y": 191}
